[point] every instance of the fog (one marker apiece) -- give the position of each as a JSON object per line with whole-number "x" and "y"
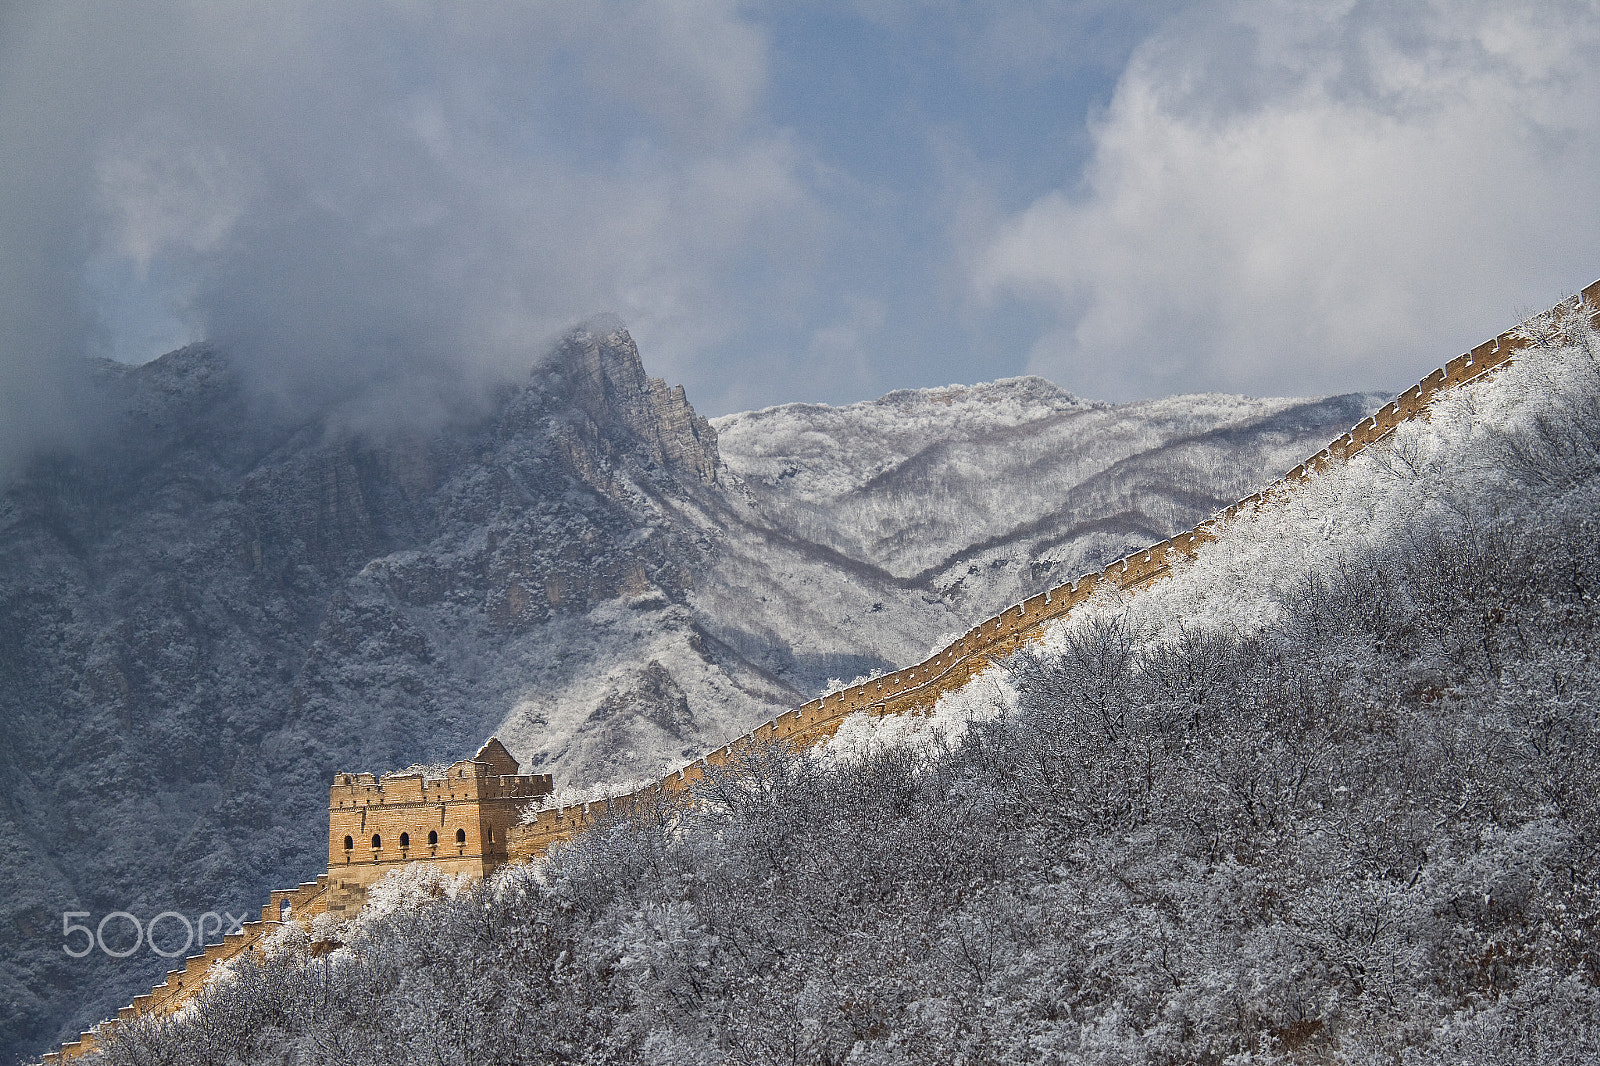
{"x": 801, "y": 201}
{"x": 337, "y": 193}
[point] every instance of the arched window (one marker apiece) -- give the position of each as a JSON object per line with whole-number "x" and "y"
{"x": 405, "y": 841}
{"x": 461, "y": 836}
{"x": 433, "y": 838}
{"x": 491, "y": 836}
{"x": 349, "y": 842}
{"x": 377, "y": 842}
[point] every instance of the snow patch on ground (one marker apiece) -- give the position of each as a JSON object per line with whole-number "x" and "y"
{"x": 861, "y": 735}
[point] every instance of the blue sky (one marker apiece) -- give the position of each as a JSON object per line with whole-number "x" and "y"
{"x": 791, "y": 201}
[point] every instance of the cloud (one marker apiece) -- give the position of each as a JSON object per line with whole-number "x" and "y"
{"x": 157, "y": 196}
{"x": 785, "y": 201}
{"x": 1295, "y": 198}
{"x": 340, "y": 193}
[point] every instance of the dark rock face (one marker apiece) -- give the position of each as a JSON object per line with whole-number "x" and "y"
{"x": 609, "y": 385}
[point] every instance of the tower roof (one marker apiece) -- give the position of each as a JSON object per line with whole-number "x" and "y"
{"x": 495, "y": 754}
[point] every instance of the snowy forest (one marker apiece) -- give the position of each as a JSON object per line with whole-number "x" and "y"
{"x": 1327, "y": 795}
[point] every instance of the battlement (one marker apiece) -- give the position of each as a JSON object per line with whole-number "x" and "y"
{"x": 916, "y": 689}
{"x": 285, "y": 904}
{"x": 458, "y": 817}
{"x": 470, "y": 781}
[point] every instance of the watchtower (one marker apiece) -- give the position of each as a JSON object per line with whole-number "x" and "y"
{"x": 457, "y": 817}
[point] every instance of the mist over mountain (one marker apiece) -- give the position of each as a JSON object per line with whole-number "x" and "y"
{"x": 225, "y": 601}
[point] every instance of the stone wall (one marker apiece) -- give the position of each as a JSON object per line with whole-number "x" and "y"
{"x": 482, "y": 797}
{"x": 459, "y": 819}
{"x": 304, "y": 902}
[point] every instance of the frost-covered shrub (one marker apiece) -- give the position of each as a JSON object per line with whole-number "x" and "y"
{"x": 408, "y": 886}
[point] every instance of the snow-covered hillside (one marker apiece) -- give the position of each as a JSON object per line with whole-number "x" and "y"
{"x": 921, "y": 480}
{"x": 1327, "y": 796}
{"x": 1484, "y": 460}
{"x": 863, "y": 536}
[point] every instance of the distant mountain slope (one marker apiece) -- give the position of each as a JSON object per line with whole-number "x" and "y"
{"x": 979, "y": 496}
{"x": 210, "y": 612}
{"x": 220, "y": 604}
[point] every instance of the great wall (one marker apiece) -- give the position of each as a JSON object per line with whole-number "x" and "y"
{"x": 472, "y": 809}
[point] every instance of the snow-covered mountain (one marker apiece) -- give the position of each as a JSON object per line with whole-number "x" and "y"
{"x": 990, "y": 493}
{"x": 221, "y": 603}
{"x": 1323, "y": 795}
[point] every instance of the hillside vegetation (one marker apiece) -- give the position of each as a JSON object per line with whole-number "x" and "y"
{"x": 1326, "y": 796}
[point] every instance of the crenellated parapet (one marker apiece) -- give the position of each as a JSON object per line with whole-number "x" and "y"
{"x": 457, "y": 817}
{"x": 918, "y": 688}
{"x": 285, "y": 905}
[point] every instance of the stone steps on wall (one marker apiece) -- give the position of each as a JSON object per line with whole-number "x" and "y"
{"x": 181, "y": 985}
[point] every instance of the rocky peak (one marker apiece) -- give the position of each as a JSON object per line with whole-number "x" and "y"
{"x": 609, "y": 385}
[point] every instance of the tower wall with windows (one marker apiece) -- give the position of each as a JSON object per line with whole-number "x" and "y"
{"x": 456, "y": 819}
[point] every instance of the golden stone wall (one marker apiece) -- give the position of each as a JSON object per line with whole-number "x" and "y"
{"x": 459, "y": 821}
{"x": 917, "y": 688}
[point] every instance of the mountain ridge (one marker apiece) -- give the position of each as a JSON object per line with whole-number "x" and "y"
{"x": 227, "y": 598}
